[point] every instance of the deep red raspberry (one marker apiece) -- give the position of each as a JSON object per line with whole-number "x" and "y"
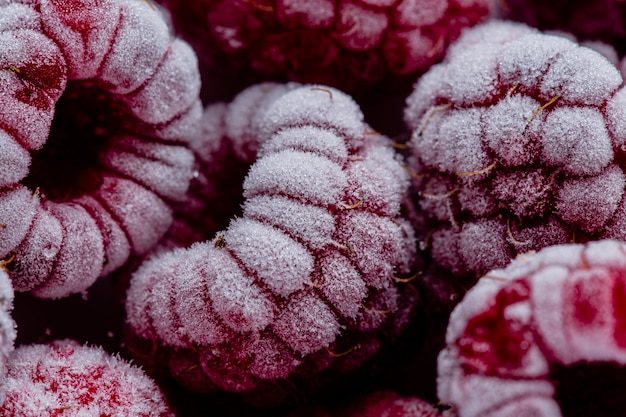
{"x": 523, "y": 337}
{"x": 343, "y": 43}
{"x": 98, "y": 100}
{"x": 518, "y": 143}
{"x": 65, "y": 379}
{"x": 305, "y": 275}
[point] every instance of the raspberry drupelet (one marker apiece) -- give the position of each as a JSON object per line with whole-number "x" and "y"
{"x": 305, "y": 277}
{"x": 518, "y": 143}
{"x": 98, "y": 101}
{"x": 348, "y": 44}
{"x": 546, "y": 337}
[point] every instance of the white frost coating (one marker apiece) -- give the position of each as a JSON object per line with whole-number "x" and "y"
{"x": 507, "y": 129}
{"x": 320, "y": 106}
{"x": 8, "y": 329}
{"x": 171, "y": 90}
{"x": 15, "y": 16}
{"x": 581, "y": 76}
{"x": 301, "y": 175}
{"x": 494, "y": 32}
{"x": 456, "y": 146}
{"x": 591, "y": 201}
{"x": 308, "y": 139}
{"x": 616, "y": 119}
{"x": 306, "y": 324}
{"x": 473, "y": 76}
{"x": 84, "y": 35}
{"x": 14, "y": 160}
{"x": 426, "y": 90}
{"x": 527, "y": 59}
{"x": 577, "y": 139}
{"x": 314, "y": 225}
{"x": 141, "y": 40}
{"x": 417, "y": 13}
{"x": 234, "y": 297}
{"x": 281, "y": 262}
{"x": 245, "y": 114}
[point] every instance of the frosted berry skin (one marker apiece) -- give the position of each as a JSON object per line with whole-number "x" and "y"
{"x": 562, "y": 306}
{"x": 306, "y": 275}
{"x": 66, "y": 379}
{"x": 112, "y": 71}
{"x": 7, "y": 324}
{"x": 598, "y": 20}
{"x": 518, "y": 142}
{"x": 349, "y": 44}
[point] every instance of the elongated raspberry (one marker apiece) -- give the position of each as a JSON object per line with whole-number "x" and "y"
{"x": 98, "y": 100}
{"x": 603, "y": 20}
{"x": 64, "y": 378}
{"x": 518, "y": 141}
{"x": 305, "y": 275}
{"x": 543, "y": 337}
{"x": 348, "y": 44}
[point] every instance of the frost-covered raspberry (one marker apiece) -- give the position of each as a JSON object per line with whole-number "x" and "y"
{"x": 306, "y": 275}
{"x": 544, "y": 337}
{"x": 7, "y": 324}
{"x": 64, "y": 378}
{"x": 518, "y": 143}
{"x": 603, "y": 20}
{"x": 98, "y": 99}
{"x": 343, "y": 43}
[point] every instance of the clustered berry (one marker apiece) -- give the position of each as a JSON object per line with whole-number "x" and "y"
{"x": 517, "y": 141}
{"x": 312, "y": 258}
{"x": 197, "y": 172}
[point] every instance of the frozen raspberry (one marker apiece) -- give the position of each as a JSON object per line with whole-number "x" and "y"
{"x": 376, "y": 404}
{"x": 344, "y": 43}
{"x": 64, "y": 378}
{"x": 305, "y": 277}
{"x": 518, "y": 143}
{"x": 98, "y": 100}
{"x": 544, "y": 337}
{"x": 603, "y": 20}
{"x": 7, "y": 324}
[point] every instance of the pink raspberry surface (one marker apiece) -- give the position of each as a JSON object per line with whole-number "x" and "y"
{"x": 518, "y": 142}
{"x": 305, "y": 277}
{"x": 348, "y": 44}
{"x": 602, "y": 20}
{"x": 63, "y": 379}
{"x": 550, "y": 322}
{"x": 98, "y": 102}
